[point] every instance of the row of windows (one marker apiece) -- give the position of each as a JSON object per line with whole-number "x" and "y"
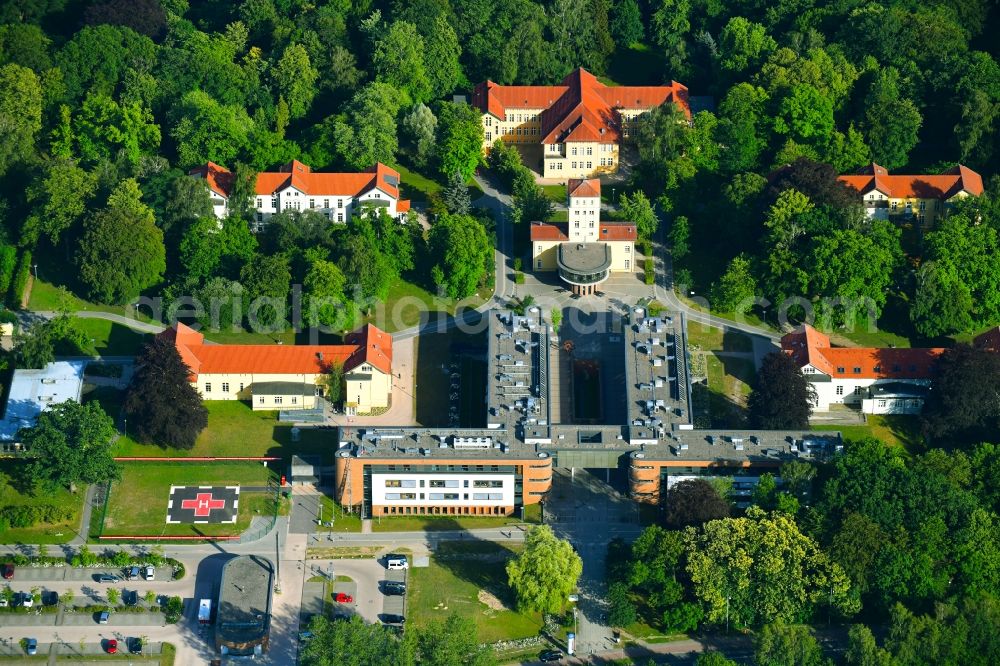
{"x": 442, "y": 483}
{"x": 467, "y": 510}
{"x": 443, "y": 496}
{"x": 279, "y": 400}
{"x": 519, "y": 117}
{"x": 590, "y": 151}
{"x": 840, "y": 390}
{"x": 878, "y": 368}
{"x": 444, "y": 468}
{"x": 312, "y": 202}
{"x": 590, "y": 165}
{"x": 225, "y": 387}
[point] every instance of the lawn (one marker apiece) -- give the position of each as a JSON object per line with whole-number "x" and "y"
{"x": 707, "y": 338}
{"x": 13, "y": 493}
{"x": 453, "y": 584}
{"x": 419, "y": 187}
{"x": 556, "y": 193}
{"x": 108, "y": 338}
{"x": 406, "y": 304}
{"x": 894, "y": 430}
{"x": 138, "y": 503}
{"x": 234, "y": 430}
{"x": 342, "y": 520}
{"x": 532, "y": 514}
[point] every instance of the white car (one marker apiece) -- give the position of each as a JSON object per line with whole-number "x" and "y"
{"x": 27, "y": 600}
{"x": 149, "y": 573}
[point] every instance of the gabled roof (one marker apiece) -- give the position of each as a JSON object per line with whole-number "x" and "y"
{"x": 618, "y": 231}
{"x": 581, "y": 108}
{"x": 374, "y": 347}
{"x": 304, "y": 179}
{"x": 810, "y": 347}
{"x": 583, "y": 187}
{"x": 367, "y": 344}
{"x": 942, "y": 186}
{"x": 219, "y": 179}
{"x": 543, "y": 231}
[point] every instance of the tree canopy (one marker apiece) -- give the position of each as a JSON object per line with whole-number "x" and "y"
{"x": 545, "y": 572}
{"x": 70, "y": 443}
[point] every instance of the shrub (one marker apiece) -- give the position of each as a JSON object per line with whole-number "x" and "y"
{"x": 27, "y": 515}
{"x": 650, "y": 271}
{"x": 518, "y": 278}
{"x": 8, "y": 261}
{"x": 173, "y": 610}
{"x": 20, "y": 280}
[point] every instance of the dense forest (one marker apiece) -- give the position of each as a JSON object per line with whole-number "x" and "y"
{"x": 107, "y": 104}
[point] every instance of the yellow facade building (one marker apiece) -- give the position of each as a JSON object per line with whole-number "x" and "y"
{"x": 919, "y": 198}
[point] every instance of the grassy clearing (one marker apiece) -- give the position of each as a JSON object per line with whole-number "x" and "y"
{"x": 13, "y": 493}
{"x": 894, "y": 430}
{"x": 452, "y": 584}
{"x": 728, "y": 385}
{"x": 342, "y": 520}
{"x": 234, "y": 430}
{"x": 138, "y": 503}
{"x": 407, "y": 302}
{"x": 707, "y": 338}
{"x": 441, "y": 523}
{"x": 556, "y": 193}
{"x": 419, "y": 187}
{"x": 106, "y": 338}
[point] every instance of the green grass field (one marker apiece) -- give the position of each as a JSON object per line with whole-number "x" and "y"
{"x": 137, "y": 503}
{"x": 452, "y": 584}
{"x": 419, "y": 187}
{"x": 556, "y": 193}
{"x": 894, "y": 430}
{"x": 12, "y": 493}
{"x": 107, "y": 338}
{"x": 233, "y": 430}
{"x": 707, "y": 338}
{"x": 532, "y": 514}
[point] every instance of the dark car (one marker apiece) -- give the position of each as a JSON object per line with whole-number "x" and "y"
{"x": 135, "y": 645}
{"x": 107, "y": 578}
{"x": 550, "y": 655}
{"x": 132, "y": 573}
{"x": 394, "y": 588}
{"x": 7, "y": 571}
{"x": 390, "y": 618}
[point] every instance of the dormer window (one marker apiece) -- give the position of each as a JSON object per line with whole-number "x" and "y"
{"x": 857, "y": 370}
{"x": 840, "y": 369}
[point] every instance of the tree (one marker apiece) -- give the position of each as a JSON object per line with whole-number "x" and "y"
{"x": 964, "y": 247}
{"x": 70, "y": 443}
{"x": 743, "y": 45}
{"x": 205, "y": 130}
{"x": 622, "y": 610}
{"x": 455, "y": 195}
{"x": 626, "y": 22}
{"x": 420, "y": 128}
{"x": 891, "y": 122}
{"x": 463, "y": 254}
{"x": 545, "y": 572}
{"x": 59, "y": 198}
{"x": 351, "y": 643}
{"x": 743, "y": 127}
{"x": 98, "y": 58}
{"x": 671, "y": 24}
{"x": 20, "y": 114}
{"x": 574, "y": 37}
{"x": 736, "y": 288}
{"x": 798, "y": 476}
{"x": 161, "y": 405}
{"x": 942, "y": 303}
{"x": 679, "y": 237}
{"x": 639, "y": 210}
{"x": 121, "y": 252}
{"x": 114, "y": 596}
{"x": 294, "y": 78}
{"x": 105, "y": 130}
{"x": 187, "y": 199}
{"x": 787, "y": 645}
{"x": 762, "y": 568}
{"x": 441, "y": 54}
{"x": 964, "y": 406}
{"x": 693, "y": 502}
{"x": 267, "y": 282}
{"x": 399, "y": 61}
{"x": 862, "y": 650}
{"x": 459, "y": 139}
{"x": 333, "y": 382}
{"x": 805, "y": 115}
{"x": 713, "y": 659}
{"x": 325, "y": 302}
{"x": 366, "y": 134}
{"x": 144, "y": 16}
{"x": 531, "y": 204}
{"x": 781, "y": 398}
{"x": 452, "y": 643}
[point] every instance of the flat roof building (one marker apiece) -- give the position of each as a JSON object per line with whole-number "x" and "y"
{"x": 34, "y": 391}
{"x": 243, "y": 622}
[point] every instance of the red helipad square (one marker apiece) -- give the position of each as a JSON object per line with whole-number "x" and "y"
{"x": 203, "y": 504}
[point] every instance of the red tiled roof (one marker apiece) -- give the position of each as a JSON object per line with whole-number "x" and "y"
{"x": 219, "y": 179}
{"x": 581, "y": 109}
{"x": 303, "y": 178}
{"x": 366, "y": 345}
{"x": 543, "y": 231}
{"x": 618, "y": 231}
{"x": 403, "y": 206}
{"x": 942, "y": 186}
{"x": 374, "y": 347}
{"x": 584, "y": 187}
{"x": 808, "y": 346}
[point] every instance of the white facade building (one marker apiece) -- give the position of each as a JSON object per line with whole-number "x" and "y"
{"x": 295, "y": 186}
{"x": 399, "y": 491}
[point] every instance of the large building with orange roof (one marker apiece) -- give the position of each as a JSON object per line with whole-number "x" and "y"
{"x": 920, "y": 198}
{"x": 584, "y": 250}
{"x": 295, "y": 186}
{"x": 876, "y": 380}
{"x": 284, "y": 377}
{"x": 580, "y": 123}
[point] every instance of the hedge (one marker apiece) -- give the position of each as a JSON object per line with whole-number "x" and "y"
{"x": 8, "y": 261}
{"x": 27, "y": 515}
{"x": 20, "y": 282}
{"x": 650, "y": 272}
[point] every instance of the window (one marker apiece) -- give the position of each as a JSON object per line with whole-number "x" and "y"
{"x": 208, "y": 387}
{"x": 241, "y": 387}
{"x": 260, "y": 400}
{"x": 437, "y": 484}
{"x": 519, "y": 131}
{"x": 628, "y": 264}
{"x": 407, "y": 496}
{"x": 591, "y": 225}
{"x": 392, "y": 496}
{"x": 225, "y": 387}
{"x": 628, "y": 249}
{"x": 573, "y": 151}
{"x": 274, "y": 203}
{"x": 340, "y": 203}
{"x": 487, "y": 484}
{"x": 576, "y": 225}
{"x": 340, "y": 217}
{"x": 840, "y": 390}
{"x": 326, "y": 203}
{"x": 881, "y": 403}
{"x": 840, "y": 369}
{"x": 590, "y": 150}
{"x": 393, "y": 483}
{"x": 538, "y": 264}
{"x": 857, "y": 370}
{"x": 277, "y": 399}
{"x": 892, "y": 206}
{"x": 260, "y": 202}
{"x": 489, "y": 136}
{"x": 857, "y": 390}
{"x": 312, "y": 203}
{"x": 574, "y": 163}
{"x": 260, "y": 217}
{"x": 295, "y": 400}
{"x": 489, "y": 121}
{"x": 590, "y": 165}
{"x": 878, "y": 368}
{"x": 923, "y": 205}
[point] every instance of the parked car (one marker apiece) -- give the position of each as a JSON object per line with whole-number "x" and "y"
{"x": 31, "y": 646}
{"x": 132, "y": 573}
{"x": 107, "y": 578}
{"x": 135, "y": 645}
{"x": 394, "y": 588}
{"x": 27, "y": 600}
{"x": 3, "y": 602}
{"x": 343, "y": 598}
{"x": 389, "y": 618}
{"x": 103, "y": 617}
{"x": 550, "y": 655}
{"x": 7, "y": 571}
{"x": 394, "y": 561}
{"x": 111, "y": 646}
{"x": 149, "y": 573}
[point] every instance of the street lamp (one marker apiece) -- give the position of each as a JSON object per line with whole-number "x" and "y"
{"x": 571, "y": 639}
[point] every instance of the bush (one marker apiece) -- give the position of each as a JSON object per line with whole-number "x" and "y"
{"x": 27, "y": 515}
{"x": 20, "y": 281}
{"x": 8, "y": 261}
{"x": 173, "y": 610}
{"x": 650, "y": 271}
{"x": 518, "y": 278}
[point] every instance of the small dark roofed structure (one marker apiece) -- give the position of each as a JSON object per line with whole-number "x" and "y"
{"x": 243, "y": 621}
